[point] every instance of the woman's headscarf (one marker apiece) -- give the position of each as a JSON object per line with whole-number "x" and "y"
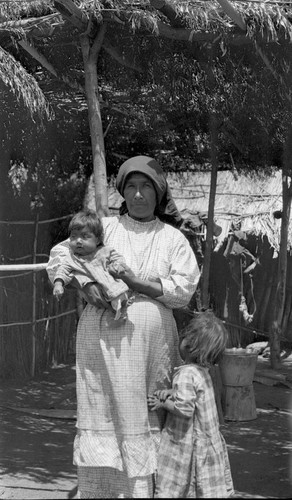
{"x": 166, "y": 208}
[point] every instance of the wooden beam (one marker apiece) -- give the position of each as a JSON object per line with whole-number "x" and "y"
{"x": 176, "y": 19}
{"x": 30, "y": 23}
{"x": 72, "y": 13}
{"x": 232, "y": 13}
{"x": 186, "y": 34}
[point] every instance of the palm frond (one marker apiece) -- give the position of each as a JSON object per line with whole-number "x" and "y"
{"x": 23, "y": 85}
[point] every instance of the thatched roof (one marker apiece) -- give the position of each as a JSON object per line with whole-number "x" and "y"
{"x": 271, "y": 19}
{"x": 187, "y": 20}
{"x": 248, "y": 201}
{"x": 240, "y": 199}
{"x": 25, "y": 25}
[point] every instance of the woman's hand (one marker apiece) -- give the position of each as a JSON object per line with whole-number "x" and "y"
{"x": 122, "y": 272}
{"x": 151, "y": 288}
{"x": 94, "y": 297}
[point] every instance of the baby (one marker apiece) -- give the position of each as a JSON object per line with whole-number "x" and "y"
{"x": 89, "y": 256}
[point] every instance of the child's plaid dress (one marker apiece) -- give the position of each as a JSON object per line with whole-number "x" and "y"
{"x": 193, "y": 460}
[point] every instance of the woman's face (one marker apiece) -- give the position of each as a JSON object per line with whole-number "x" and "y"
{"x": 140, "y": 197}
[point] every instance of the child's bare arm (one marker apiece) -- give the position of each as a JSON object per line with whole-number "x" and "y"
{"x": 163, "y": 394}
{"x": 173, "y": 400}
{"x": 158, "y": 397}
{"x": 155, "y": 403}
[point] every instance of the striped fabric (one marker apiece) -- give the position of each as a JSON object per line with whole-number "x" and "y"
{"x": 119, "y": 364}
{"x": 193, "y": 460}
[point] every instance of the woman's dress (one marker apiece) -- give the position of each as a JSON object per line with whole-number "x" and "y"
{"x": 118, "y": 363}
{"x": 193, "y": 460}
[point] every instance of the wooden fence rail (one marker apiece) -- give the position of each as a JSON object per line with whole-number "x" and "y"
{"x": 23, "y": 267}
{"x": 33, "y": 295}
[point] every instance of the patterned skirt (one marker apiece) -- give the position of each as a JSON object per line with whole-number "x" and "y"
{"x": 118, "y": 363}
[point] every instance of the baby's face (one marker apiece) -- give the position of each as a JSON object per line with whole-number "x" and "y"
{"x": 83, "y": 241}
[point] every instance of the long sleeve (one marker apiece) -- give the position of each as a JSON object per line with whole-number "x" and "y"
{"x": 184, "y": 274}
{"x": 58, "y": 254}
{"x": 186, "y": 390}
{"x": 64, "y": 272}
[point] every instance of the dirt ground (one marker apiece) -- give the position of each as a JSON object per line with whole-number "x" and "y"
{"x": 38, "y": 427}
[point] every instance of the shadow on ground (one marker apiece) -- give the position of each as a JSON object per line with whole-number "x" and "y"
{"x": 259, "y": 449}
{"x": 36, "y": 451}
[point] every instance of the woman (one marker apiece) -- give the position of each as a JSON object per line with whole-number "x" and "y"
{"x": 118, "y": 365}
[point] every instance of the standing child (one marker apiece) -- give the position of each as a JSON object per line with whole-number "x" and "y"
{"x": 88, "y": 256}
{"x": 193, "y": 460}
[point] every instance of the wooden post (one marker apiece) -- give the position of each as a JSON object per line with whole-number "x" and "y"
{"x": 214, "y": 372}
{"x": 90, "y": 47}
{"x": 209, "y": 237}
{"x": 276, "y": 329}
{"x": 90, "y": 55}
{"x": 34, "y": 296}
{"x": 212, "y": 194}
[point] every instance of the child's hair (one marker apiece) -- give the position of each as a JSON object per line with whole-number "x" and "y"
{"x": 206, "y": 338}
{"x": 88, "y": 219}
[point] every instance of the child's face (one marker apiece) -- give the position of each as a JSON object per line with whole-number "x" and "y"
{"x": 183, "y": 350}
{"x": 83, "y": 241}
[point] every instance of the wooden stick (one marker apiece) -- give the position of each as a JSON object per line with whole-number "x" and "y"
{"x": 47, "y": 318}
